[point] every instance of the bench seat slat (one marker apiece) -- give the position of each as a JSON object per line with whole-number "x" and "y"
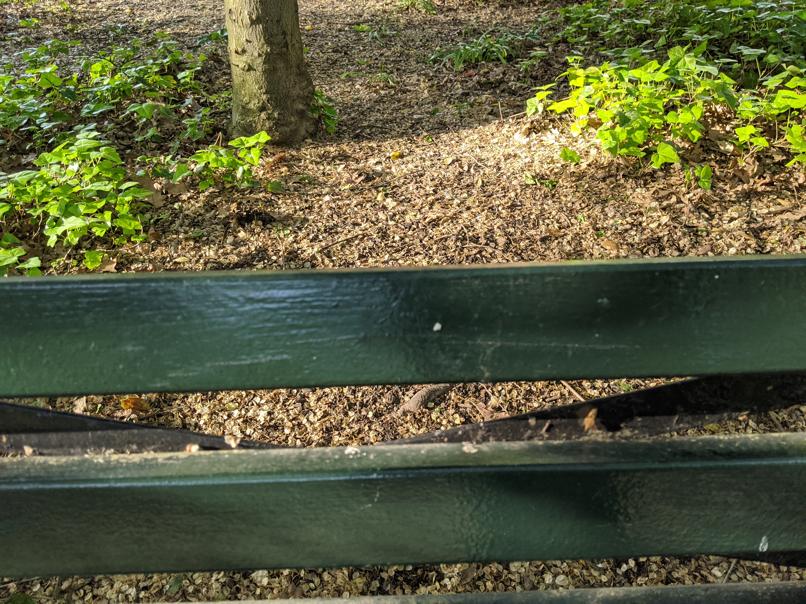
{"x": 749, "y": 593}
{"x": 211, "y": 331}
{"x": 402, "y": 504}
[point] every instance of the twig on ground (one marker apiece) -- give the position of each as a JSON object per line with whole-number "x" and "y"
{"x": 340, "y": 241}
{"x": 18, "y": 581}
{"x": 573, "y": 391}
{"x": 730, "y": 570}
{"x": 424, "y": 396}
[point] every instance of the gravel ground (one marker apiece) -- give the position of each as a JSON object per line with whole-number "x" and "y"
{"x": 428, "y": 167}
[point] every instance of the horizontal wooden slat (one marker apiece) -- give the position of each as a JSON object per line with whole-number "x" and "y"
{"x": 746, "y": 593}
{"x": 402, "y": 504}
{"x": 205, "y": 331}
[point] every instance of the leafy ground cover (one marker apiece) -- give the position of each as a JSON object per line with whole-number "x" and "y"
{"x": 81, "y": 194}
{"x": 741, "y": 72}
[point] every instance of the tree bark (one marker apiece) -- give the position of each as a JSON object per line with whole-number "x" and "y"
{"x": 271, "y": 88}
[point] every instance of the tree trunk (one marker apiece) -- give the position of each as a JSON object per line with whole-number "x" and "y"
{"x": 271, "y": 89}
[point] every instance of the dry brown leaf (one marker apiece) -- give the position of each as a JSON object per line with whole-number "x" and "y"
{"x": 794, "y": 216}
{"x": 109, "y": 266}
{"x": 175, "y": 188}
{"x": 589, "y": 423}
{"x": 135, "y": 404}
{"x": 155, "y": 198}
{"x": 80, "y": 405}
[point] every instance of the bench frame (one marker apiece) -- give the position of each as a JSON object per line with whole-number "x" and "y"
{"x": 77, "y": 492}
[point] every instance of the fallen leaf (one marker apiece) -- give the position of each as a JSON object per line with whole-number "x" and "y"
{"x": 175, "y": 188}
{"x": 109, "y": 266}
{"x": 589, "y": 423}
{"x": 726, "y": 147}
{"x": 521, "y": 137}
{"x": 134, "y": 404}
{"x": 80, "y": 405}
{"x": 794, "y": 216}
{"x": 155, "y": 198}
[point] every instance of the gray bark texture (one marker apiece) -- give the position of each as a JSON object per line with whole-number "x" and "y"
{"x": 271, "y": 88}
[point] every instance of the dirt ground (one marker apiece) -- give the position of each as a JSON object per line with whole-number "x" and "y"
{"x": 428, "y": 167}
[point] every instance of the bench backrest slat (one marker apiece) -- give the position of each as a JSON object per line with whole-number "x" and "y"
{"x": 402, "y": 504}
{"x": 208, "y": 331}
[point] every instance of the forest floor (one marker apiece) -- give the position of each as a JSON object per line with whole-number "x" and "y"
{"x": 429, "y": 166}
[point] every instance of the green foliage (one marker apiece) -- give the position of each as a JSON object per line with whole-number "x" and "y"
{"x": 491, "y": 48}
{"x": 31, "y": 23}
{"x": 381, "y": 33}
{"x": 794, "y": 135}
{"x": 656, "y": 109}
{"x": 423, "y": 6}
{"x": 324, "y": 110}
{"x": 19, "y": 597}
{"x": 569, "y": 155}
{"x": 11, "y": 254}
{"x": 35, "y": 103}
{"x": 485, "y": 49}
{"x": 79, "y": 191}
{"x": 745, "y": 38}
{"x": 76, "y": 194}
{"x": 228, "y": 166}
{"x": 704, "y": 176}
{"x": 664, "y": 154}
{"x": 232, "y": 165}
{"x": 133, "y": 88}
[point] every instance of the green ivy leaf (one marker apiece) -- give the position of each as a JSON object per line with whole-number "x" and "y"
{"x": 745, "y": 132}
{"x": 704, "y": 177}
{"x": 93, "y": 259}
{"x": 570, "y": 155}
{"x": 664, "y": 154}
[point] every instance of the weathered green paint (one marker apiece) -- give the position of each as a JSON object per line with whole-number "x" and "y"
{"x": 181, "y": 332}
{"x": 402, "y": 504}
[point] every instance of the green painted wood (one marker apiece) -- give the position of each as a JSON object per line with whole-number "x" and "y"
{"x": 402, "y": 504}
{"x": 205, "y": 331}
{"x": 742, "y": 593}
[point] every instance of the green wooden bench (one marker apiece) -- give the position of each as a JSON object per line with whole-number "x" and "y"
{"x": 82, "y": 495}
